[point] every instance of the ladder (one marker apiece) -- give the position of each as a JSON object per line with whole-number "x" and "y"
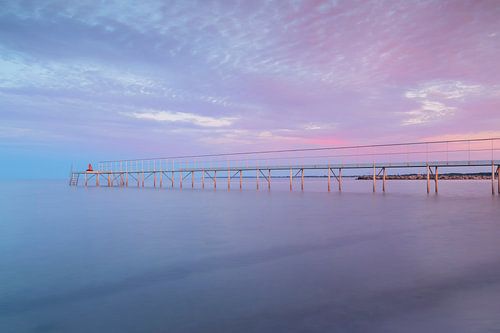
{"x": 73, "y": 181}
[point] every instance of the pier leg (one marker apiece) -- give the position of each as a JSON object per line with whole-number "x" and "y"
{"x": 428, "y": 179}
{"x": 138, "y": 179}
{"x": 161, "y": 179}
{"x": 329, "y": 189}
{"x": 97, "y": 179}
{"x": 192, "y": 179}
{"x": 172, "y": 179}
{"x": 241, "y": 179}
{"x": 126, "y": 179}
{"x": 340, "y": 180}
{"x": 383, "y": 180}
{"x": 203, "y": 179}
{"x": 269, "y": 179}
{"x": 86, "y": 179}
{"x": 436, "y": 179}
{"x": 154, "y": 179}
{"x": 302, "y": 180}
{"x": 257, "y": 179}
{"x": 180, "y": 180}
{"x": 374, "y": 179}
{"x": 228, "y": 179}
{"x": 291, "y": 180}
{"x": 215, "y": 179}
{"x": 492, "y": 178}
{"x": 109, "y": 180}
{"x": 143, "y": 179}
{"x": 498, "y": 179}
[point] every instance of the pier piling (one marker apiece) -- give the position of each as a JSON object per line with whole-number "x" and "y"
{"x": 340, "y": 180}
{"x": 436, "y": 176}
{"x": 374, "y": 179}
{"x": 428, "y": 179}
{"x": 498, "y": 179}
{"x": 492, "y": 178}
{"x": 383, "y": 179}
{"x": 328, "y": 173}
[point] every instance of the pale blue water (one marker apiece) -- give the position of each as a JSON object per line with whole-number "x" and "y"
{"x": 146, "y": 260}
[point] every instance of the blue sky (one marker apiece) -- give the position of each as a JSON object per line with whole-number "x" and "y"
{"x": 83, "y": 81}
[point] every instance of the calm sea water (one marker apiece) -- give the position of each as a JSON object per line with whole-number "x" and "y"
{"x": 146, "y": 260}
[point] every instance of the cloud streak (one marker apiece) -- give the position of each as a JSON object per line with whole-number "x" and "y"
{"x": 184, "y": 117}
{"x": 435, "y": 99}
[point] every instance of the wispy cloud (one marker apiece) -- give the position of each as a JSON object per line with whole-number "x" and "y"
{"x": 320, "y": 126}
{"x": 429, "y": 111}
{"x": 184, "y": 117}
{"x": 440, "y": 99}
{"x": 446, "y": 90}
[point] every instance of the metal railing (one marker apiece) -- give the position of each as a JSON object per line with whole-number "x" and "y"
{"x": 428, "y": 151}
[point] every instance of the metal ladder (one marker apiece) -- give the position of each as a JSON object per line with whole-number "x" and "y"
{"x": 73, "y": 181}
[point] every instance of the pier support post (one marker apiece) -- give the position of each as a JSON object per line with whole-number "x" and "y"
{"x": 384, "y": 176}
{"x": 161, "y": 179}
{"x": 257, "y": 179}
{"x": 126, "y": 179}
{"x": 215, "y": 179}
{"x": 340, "y": 180}
{"x": 302, "y": 180}
{"x": 192, "y": 179}
{"x": 143, "y": 179}
{"x": 97, "y": 179}
{"x": 291, "y": 180}
{"x": 498, "y": 179}
{"x": 86, "y": 179}
{"x": 203, "y": 179}
{"x": 154, "y": 179}
{"x": 138, "y": 175}
{"x": 172, "y": 179}
{"x": 492, "y": 178}
{"x": 241, "y": 179}
{"x": 436, "y": 175}
{"x": 109, "y": 179}
{"x": 428, "y": 179}
{"x": 329, "y": 189}
{"x": 180, "y": 180}
{"x": 269, "y": 179}
{"x": 374, "y": 178}
{"x": 228, "y": 179}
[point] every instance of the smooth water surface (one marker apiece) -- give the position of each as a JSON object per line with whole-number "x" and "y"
{"x": 163, "y": 260}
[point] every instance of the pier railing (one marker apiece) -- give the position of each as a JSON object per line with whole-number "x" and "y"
{"x": 465, "y": 151}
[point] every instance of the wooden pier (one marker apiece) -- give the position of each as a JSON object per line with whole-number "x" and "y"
{"x": 206, "y": 170}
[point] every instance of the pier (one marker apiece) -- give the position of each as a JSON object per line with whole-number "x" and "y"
{"x": 227, "y": 170}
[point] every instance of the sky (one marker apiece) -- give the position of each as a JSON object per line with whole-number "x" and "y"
{"x": 89, "y": 80}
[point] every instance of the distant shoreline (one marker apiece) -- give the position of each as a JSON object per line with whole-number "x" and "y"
{"x": 411, "y": 176}
{"x": 445, "y": 176}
